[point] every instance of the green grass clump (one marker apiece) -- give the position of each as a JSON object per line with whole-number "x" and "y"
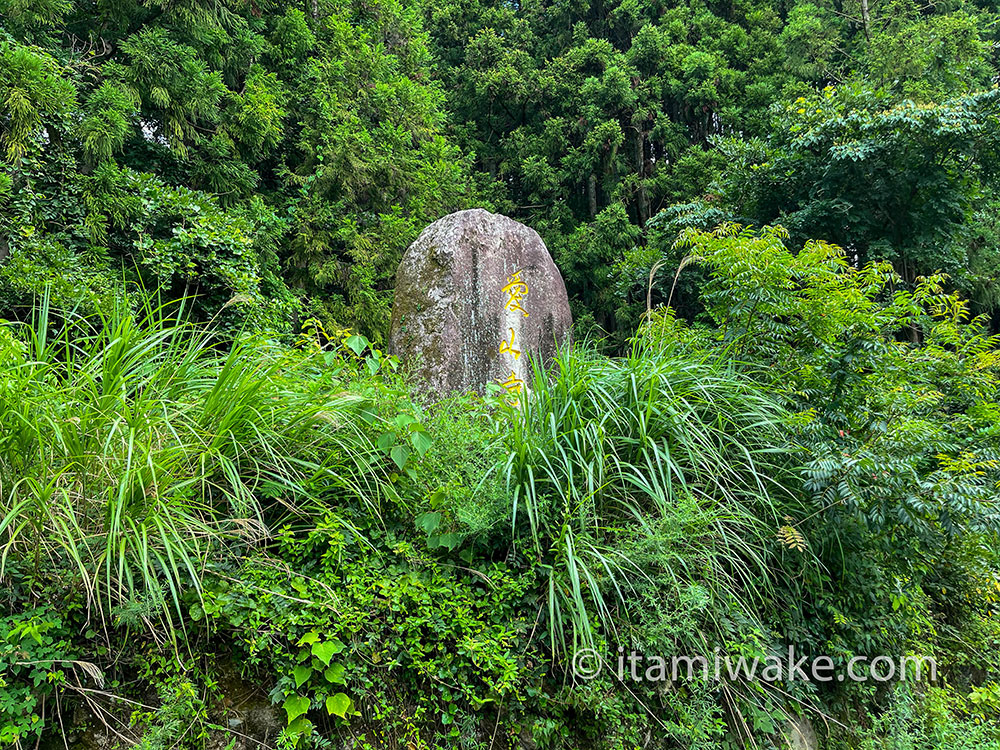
{"x": 134, "y": 452}
{"x": 607, "y": 446}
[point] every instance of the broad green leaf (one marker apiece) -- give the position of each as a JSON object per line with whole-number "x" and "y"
{"x": 429, "y": 521}
{"x": 385, "y": 440}
{"x": 356, "y": 343}
{"x": 404, "y": 420}
{"x": 311, "y": 637}
{"x": 335, "y": 674}
{"x": 302, "y": 673}
{"x": 325, "y": 651}
{"x": 421, "y": 442}
{"x": 339, "y": 704}
{"x": 295, "y": 706}
{"x": 399, "y": 454}
{"x": 300, "y": 726}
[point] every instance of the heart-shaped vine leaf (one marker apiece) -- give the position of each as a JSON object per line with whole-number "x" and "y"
{"x": 339, "y": 705}
{"x": 325, "y": 651}
{"x": 335, "y": 674}
{"x": 301, "y": 673}
{"x": 399, "y": 454}
{"x": 300, "y": 726}
{"x": 311, "y": 637}
{"x": 295, "y": 706}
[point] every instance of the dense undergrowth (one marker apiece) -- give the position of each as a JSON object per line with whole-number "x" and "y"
{"x": 206, "y": 537}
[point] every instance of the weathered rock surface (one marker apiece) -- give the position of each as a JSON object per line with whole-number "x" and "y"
{"x": 476, "y": 294}
{"x": 800, "y": 734}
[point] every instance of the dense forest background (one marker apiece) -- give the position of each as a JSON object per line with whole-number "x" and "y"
{"x": 275, "y": 159}
{"x": 229, "y": 519}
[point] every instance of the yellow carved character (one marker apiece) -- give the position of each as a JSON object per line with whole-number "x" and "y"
{"x": 508, "y": 346}
{"x": 516, "y": 290}
{"x": 513, "y": 383}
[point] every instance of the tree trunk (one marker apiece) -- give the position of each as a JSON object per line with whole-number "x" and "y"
{"x": 592, "y": 195}
{"x": 640, "y": 170}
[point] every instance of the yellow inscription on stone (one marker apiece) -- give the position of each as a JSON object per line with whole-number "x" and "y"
{"x": 508, "y": 346}
{"x": 516, "y": 290}
{"x": 513, "y": 383}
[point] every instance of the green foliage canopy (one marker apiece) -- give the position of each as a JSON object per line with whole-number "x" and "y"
{"x": 265, "y": 164}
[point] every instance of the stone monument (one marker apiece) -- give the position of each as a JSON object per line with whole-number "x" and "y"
{"x": 477, "y": 294}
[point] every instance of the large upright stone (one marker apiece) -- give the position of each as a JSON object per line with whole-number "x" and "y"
{"x": 475, "y": 295}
